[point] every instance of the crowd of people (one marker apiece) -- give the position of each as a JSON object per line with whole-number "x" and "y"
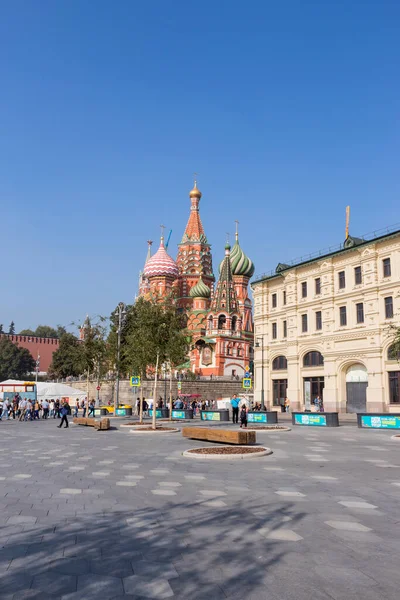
{"x": 27, "y": 409}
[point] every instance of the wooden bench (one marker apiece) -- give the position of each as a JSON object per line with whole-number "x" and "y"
{"x": 101, "y": 425}
{"x": 225, "y": 436}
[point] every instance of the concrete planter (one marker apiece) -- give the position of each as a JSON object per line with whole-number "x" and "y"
{"x": 378, "y": 420}
{"x": 214, "y": 415}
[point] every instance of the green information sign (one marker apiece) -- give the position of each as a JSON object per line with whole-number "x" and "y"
{"x": 381, "y": 422}
{"x": 257, "y": 418}
{"x": 210, "y": 416}
{"x": 158, "y": 413}
{"x": 178, "y": 414}
{"x": 312, "y": 419}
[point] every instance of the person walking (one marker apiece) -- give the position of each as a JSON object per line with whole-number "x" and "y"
{"x": 91, "y": 408}
{"x": 84, "y": 404}
{"x": 243, "y": 416}
{"x": 287, "y": 405}
{"x": 45, "y": 408}
{"x": 52, "y": 409}
{"x": 76, "y": 411}
{"x": 235, "y": 408}
{"x": 65, "y": 411}
{"x": 6, "y": 407}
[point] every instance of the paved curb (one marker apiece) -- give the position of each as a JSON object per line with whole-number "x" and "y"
{"x": 396, "y": 437}
{"x": 282, "y": 429}
{"x": 136, "y": 430}
{"x": 187, "y": 454}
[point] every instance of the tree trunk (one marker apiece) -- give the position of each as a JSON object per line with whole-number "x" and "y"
{"x": 170, "y": 392}
{"x": 141, "y": 401}
{"x": 155, "y": 395}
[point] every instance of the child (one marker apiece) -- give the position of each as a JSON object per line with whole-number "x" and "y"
{"x": 243, "y": 415}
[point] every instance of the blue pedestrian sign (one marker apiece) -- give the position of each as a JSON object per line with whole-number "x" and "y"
{"x": 135, "y": 381}
{"x": 247, "y": 383}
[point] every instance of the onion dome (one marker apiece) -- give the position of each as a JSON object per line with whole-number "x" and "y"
{"x": 195, "y": 192}
{"x": 200, "y": 290}
{"x": 161, "y": 264}
{"x": 240, "y": 263}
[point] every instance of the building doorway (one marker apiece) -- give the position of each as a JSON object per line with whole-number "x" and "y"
{"x": 356, "y": 389}
{"x": 314, "y": 388}
{"x": 279, "y": 387}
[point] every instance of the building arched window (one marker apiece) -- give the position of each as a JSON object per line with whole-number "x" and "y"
{"x": 313, "y": 359}
{"x": 234, "y": 322}
{"x": 221, "y": 321}
{"x": 392, "y": 354}
{"x": 279, "y": 363}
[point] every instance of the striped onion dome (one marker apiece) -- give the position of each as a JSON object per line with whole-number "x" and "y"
{"x": 161, "y": 264}
{"x": 200, "y": 290}
{"x": 240, "y": 263}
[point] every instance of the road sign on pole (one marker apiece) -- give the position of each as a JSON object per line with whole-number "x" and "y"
{"x": 135, "y": 381}
{"x": 98, "y": 388}
{"x": 247, "y": 383}
{"x": 179, "y": 385}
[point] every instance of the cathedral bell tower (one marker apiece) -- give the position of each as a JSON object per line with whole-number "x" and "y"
{"x": 194, "y": 254}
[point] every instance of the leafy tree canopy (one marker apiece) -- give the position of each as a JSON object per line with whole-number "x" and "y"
{"x": 154, "y": 330}
{"x": 45, "y": 331}
{"x": 67, "y": 360}
{"x": 11, "y": 329}
{"x": 15, "y": 363}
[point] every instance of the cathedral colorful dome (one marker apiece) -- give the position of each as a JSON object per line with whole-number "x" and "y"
{"x": 200, "y": 290}
{"x": 161, "y": 264}
{"x": 195, "y": 192}
{"x": 240, "y": 263}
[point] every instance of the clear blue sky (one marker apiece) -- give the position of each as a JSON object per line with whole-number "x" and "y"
{"x": 288, "y": 111}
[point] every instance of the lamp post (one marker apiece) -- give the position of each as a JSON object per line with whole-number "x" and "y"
{"x": 262, "y": 368}
{"x": 121, "y": 312}
{"x": 37, "y": 367}
{"x": 164, "y": 368}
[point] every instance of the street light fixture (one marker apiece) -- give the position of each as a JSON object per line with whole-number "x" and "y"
{"x": 258, "y": 339}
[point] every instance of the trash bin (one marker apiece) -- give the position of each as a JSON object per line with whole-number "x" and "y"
{"x": 103, "y": 412}
{"x": 283, "y": 408}
{"x": 128, "y": 412}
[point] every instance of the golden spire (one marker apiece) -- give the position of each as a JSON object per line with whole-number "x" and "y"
{"x": 195, "y": 192}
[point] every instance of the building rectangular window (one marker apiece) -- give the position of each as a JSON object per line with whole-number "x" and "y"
{"x": 394, "y": 387}
{"x": 387, "y": 269}
{"x": 274, "y": 331}
{"x": 304, "y": 289}
{"x": 284, "y": 298}
{"x": 318, "y": 320}
{"x": 342, "y": 280}
{"x": 279, "y": 387}
{"x": 304, "y": 323}
{"x": 357, "y": 275}
{"x": 389, "y": 307}
{"x": 284, "y": 329}
{"x": 317, "y": 286}
{"x": 343, "y": 316}
{"x": 360, "y": 312}
{"x": 274, "y": 301}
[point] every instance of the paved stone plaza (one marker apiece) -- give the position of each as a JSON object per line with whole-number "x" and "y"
{"x": 101, "y": 515}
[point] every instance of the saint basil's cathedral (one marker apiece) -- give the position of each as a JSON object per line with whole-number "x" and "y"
{"x": 219, "y": 317}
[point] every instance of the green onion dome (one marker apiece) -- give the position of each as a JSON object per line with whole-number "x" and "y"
{"x": 200, "y": 290}
{"x": 240, "y": 263}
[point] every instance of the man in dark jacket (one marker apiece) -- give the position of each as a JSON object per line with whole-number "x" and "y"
{"x": 64, "y": 411}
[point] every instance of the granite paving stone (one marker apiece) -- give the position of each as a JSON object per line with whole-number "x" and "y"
{"x": 279, "y": 528}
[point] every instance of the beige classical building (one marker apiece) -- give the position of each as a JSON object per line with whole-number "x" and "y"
{"x": 322, "y": 328}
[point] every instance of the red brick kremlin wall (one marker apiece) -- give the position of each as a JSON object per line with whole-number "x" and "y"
{"x": 36, "y": 345}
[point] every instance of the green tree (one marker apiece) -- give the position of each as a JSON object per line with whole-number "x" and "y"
{"x": 11, "y": 329}
{"x": 45, "y": 331}
{"x": 27, "y": 332}
{"x": 155, "y": 335}
{"x": 395, "y": 346}
{"x": 94, "y": 350}
{"x": 68, "y": 359}
{"x": 1, "y": 328}
{"x": 15, "y": 363}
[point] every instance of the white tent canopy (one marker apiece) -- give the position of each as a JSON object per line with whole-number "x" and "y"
{"x": 51, "y": 390}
